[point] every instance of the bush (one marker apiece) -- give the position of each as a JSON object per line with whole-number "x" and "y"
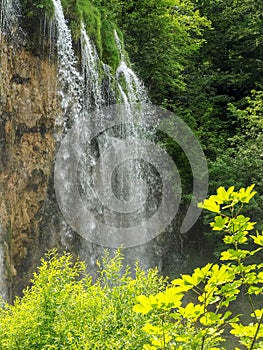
{"x": 194, "y": 310}
{"x": 63, "y": 309}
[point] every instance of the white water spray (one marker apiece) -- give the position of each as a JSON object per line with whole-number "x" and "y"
{"x": 102, "y": 169}
{"x": 70, "y": 81}
{"x": 9, "y": 14}
{"x": 135, "y": 91}
{"x": 90, "y": 72}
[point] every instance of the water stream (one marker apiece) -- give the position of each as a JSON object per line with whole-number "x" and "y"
{"x": 70, "y": 80}
{"x": 92, "y": 96}
{"x": 112, "y": 187}
{"x": 9, "y": 21}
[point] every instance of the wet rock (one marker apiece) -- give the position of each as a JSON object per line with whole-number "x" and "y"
{"x": 27, "y": 146}
{"x": 17, "y": 79}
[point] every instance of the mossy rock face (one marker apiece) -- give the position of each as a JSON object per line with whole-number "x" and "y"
{"x": 91, "y": 17}
{"x": 98, "y": 22}
{"x": 110, "y": 51}
{"x": 36, "y": 8}
{"x": 98, "y": 27}
{"x": 34, "y": 16}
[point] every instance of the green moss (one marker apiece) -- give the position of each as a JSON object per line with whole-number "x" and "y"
{"x": 82, "y": 11}
{"x": 91, "y": 17}
{"x": 98, "y": 21}
{"x": 34, "y": 14}
{"x": 110, "y": 52}
{"x": 37, "y": 8}
{"x": 99, "y": 26}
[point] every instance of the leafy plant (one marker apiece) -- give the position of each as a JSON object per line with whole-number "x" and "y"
{"x": 194, "y": 310}
{"x": 242, "y": 162}
{"x": 64, "y": 309}
{"x": 161, "y": 36}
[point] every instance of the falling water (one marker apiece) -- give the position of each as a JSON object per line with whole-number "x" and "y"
{"x": 87, "y": 91}
{"x": 90, "y": 72}
{"x": 107, "y": 89}
{"x": 128, "y": 183}
{"x": 70, "y": 86}
{"x": 70, "y": 81}
{"x": 135, "y": 90}
{"x": 7, "y": 15}
{"x": 10, "y": 12}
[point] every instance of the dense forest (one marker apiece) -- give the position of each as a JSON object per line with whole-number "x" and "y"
{"x": 203, "y": 60}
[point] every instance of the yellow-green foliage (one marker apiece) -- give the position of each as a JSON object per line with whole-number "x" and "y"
{"x": 202, "y": 322}
{"x": 64, "y": 310}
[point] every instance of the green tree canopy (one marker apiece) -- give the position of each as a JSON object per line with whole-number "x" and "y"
{"x": 161, "y": 37}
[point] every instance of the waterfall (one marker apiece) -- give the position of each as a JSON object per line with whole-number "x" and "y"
{"x": 100, "y": 181}
{"x": 99, "y": 121}
{"x": 128, "y": 181}
{"x": 135, "y": 90}
{"x": 90, "y": 72}
{"x": 7, "y": 16}
{"x": 10, "y": 12}
{"x": 70, "y": 80}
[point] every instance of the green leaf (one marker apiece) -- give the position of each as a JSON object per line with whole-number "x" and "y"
{"x": 219, "y": 223}
{"x": 257, "y": 313}
{"x": 232, "y": 254}
{"x": 210, "y": 204}
{"x": 144, "y": 305}
{"x": 192, "y": 311}
{"x": 168, "y": 299}
{"x": 244, "y": 195}
{"x": 258, "y": 239}
{"x": 210, "y": 319}
{"x": 223, "y": 195}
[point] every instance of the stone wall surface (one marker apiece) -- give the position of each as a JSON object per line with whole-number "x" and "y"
{"x": 28, "y": 109}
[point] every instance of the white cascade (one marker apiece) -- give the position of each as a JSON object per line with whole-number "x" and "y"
{"x": 129, "y": 183}
{"x": 80, "y": 93}
{"x": 70, "y": 80}
{"x": 135, "y": 91}
{"x": 70, "y": 86}
{"x": 90, "y": 72}
{"x": 9, "y": 26}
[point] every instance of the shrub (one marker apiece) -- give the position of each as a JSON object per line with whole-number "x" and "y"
{"x": 63, "y": 309}
{"x": 194, "y": 310}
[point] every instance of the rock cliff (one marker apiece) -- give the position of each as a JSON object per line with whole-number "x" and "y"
{"x": 28, "y": 111}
